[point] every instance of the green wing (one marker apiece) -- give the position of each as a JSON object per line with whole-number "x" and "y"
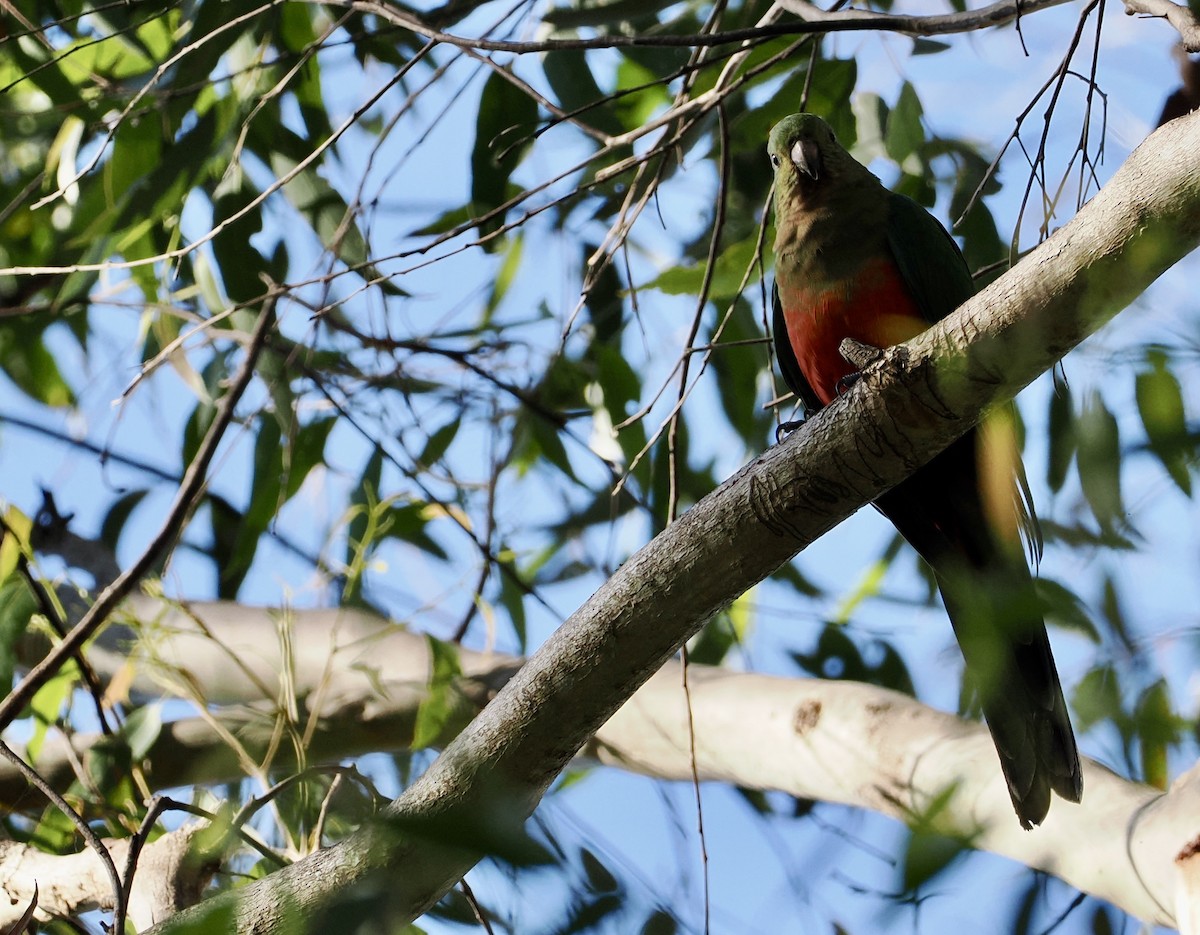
{"x": 788, "y": 365}
{"x": 930, "y": 262}
{"x": 938, "y": 277}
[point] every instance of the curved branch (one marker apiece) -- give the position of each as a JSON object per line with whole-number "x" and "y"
{"x": 1180, "y": 17}
{"x": 812, "y": 20}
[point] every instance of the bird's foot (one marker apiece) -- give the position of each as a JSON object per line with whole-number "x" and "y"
{"x": 844, "y": 383}
{"x": 783, "y": 429}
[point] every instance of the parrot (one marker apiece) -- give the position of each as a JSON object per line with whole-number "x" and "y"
{"x": 856, "y": 260}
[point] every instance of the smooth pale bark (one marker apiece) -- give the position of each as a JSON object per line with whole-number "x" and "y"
{"x": 837, "y": 742}
{"x": 921, "y": 396}
{"x": 168, "y": 877}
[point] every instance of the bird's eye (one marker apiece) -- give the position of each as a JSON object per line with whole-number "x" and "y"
{"x": 775, "y": 160}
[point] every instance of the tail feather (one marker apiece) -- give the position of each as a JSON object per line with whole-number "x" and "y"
{"x": 991, "y": 601}
{"x": 1023, "y": 704}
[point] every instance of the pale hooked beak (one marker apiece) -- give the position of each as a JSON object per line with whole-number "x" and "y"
{"x": 806, "y": 157}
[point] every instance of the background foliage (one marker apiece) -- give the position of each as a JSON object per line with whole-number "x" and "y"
{"x": 521, "y": 315}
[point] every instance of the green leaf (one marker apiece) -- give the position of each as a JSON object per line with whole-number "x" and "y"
{"x": 239, "y": 262}
{"x": 407, "y": 522}
{"x": 1062, "y": 440}
{"x": 364, "y": 495}
{"x": 573, "y": 84}
{"x": 137, "y": 148}
{"x": 1098, "y": 460}
{"x": 737, "y": 363}
{"x": 835, "y": 657}
{"x": 636, "y": 107}
{"x": 47, "y": 705}
{"x": 265, "y": 500}
{"x": 513, "y": 250}
{"x": 545, "y": 436}
{"x": 599, "y": 877}
{"x": 443, "y": 699}
{"x": 928, "y": 46}
{"x": 306, "y": 452}
{"x": 142, "y": 729}
{"x": 437, "y": 444}
{"x": 503, "y": 133}
{"x": 659, "y": 922}
{"x": 26, "y": 361}
{"x": 17, "y": 607}
{"x": 834, "y": 81}
{"x": 729, "y": 271}
{"x": 296, "y": 29}
{"x": 215, "y": 371}
{"x": 1111, "y": 606}
{"x": 926, "y": 856}
{"x": 1097, "y": 698}
{"x": 118, "y": 515}
{"x": 15, "y": 541}
{"x": 512, "y": 599}
{"x": 1160, "y": 404}
{"x": 719, "y": 635}
{"x": 1158, "y": 728}
{"x": 1062, "y": 606}
{"x": 904, "y": 133}
{"x": 45, "y": 72}
{"x": 225, "y": 521}
{"x": 603, "y": 301}
{"x": 871, "y": 115}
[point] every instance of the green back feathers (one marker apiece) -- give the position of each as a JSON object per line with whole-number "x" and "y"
{"x": 929, "y": 259}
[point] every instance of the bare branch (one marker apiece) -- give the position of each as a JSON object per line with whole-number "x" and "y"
{"x": 812, "y": 20}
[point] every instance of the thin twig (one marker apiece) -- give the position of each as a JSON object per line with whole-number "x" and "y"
{"x": 815, "y": 20}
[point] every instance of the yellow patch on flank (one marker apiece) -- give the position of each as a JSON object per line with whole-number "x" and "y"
{"x": 998, "y": 459}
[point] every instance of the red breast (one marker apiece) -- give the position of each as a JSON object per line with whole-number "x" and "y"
{"x": 874, "y": 307}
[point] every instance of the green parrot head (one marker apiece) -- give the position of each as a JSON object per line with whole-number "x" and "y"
{"x": 809, "y": 161}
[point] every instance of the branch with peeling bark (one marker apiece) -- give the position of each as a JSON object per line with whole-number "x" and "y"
{"x": 910, "y": 405}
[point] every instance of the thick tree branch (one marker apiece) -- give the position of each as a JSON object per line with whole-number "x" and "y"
{"x": 754, "y": 731}
{"x": 182, "y": 506}
{"x": 919, "y": 398}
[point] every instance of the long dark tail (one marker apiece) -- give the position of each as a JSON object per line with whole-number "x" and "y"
{"x": 990, "y": 598}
